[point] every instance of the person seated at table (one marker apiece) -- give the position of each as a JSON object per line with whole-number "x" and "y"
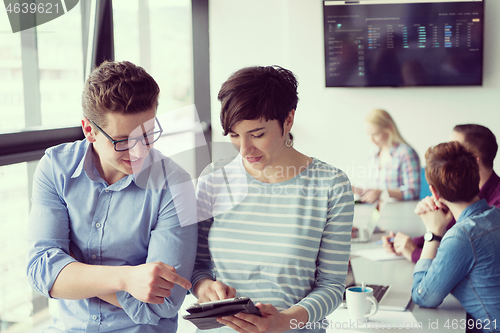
{"x": 286, "y": 244}
{"x": 482, "y": 143}
{"x": 396, "y": 163}
{"x": 464, "y": 261}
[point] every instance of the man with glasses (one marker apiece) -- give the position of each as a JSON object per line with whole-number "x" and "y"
{"x": 146, "y": 139}
{"x": 113, "y": 231}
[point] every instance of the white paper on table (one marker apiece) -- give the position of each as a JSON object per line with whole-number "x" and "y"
{"x": 340, "y": 321}
{"x": 377, "y": 255}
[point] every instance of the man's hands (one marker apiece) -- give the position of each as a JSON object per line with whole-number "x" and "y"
{"x": 208, "y": 290}
{"x": 152, "y": 282}
{"x": 149, "y": 282}
{"x": 402, "y": 245}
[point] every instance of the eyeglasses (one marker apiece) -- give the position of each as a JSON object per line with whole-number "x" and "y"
{"x": 146, "y": 139}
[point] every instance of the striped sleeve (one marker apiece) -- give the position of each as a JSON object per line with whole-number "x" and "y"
{"x": 333, "y": 255}
{"x": 220, "y": 187}
{"x": 203, "y": 267}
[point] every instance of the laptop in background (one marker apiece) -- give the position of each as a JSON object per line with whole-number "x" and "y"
{"x": 388, "y": 298}
{"x": 399, "y": 216}
{"x": 366, "y": 218}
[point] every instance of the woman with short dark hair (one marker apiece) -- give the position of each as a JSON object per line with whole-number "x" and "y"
{"x": 277, "y": 223}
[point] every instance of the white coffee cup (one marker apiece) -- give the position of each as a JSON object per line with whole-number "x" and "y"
{"x": 359, "y": 302}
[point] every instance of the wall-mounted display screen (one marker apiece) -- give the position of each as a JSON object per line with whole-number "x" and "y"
{"x": 403, "y": 43}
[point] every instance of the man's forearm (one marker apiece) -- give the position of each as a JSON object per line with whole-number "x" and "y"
{"x": 80, "y": 281}
{"x": 111, "y": 299}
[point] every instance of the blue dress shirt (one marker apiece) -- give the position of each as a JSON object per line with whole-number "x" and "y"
{"x": 467, "y": 265}
{"x": 142, "y": 218}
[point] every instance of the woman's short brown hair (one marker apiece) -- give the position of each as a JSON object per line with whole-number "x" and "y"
{"x": 258, "y": 92}
{"x": 453, "y": 171}
{"x": 118, "y": 87}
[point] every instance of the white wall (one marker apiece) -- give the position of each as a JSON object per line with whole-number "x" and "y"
{"x": 329, "y": 121}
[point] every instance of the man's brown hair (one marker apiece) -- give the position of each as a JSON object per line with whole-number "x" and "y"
{"x": 453, "y": 171}
{"x": 480, "y": 141}
{"x": 258, "y": 92}
{"x": 118, "y": 87}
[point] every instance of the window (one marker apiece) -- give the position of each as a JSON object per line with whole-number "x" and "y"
{"x": 41, "y": 81}
{"x": 15, "y": 293}
{"x": 158, "y": 38}
{"x": 61, "y": 70}
{"x": 11, "y": 78}
{"x": 156, "y": 35}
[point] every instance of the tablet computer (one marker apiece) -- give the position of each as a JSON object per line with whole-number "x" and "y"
{"x": 204, "y": 315}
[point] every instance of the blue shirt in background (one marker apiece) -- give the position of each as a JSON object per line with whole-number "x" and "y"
{"x": 467, "y": 266}
{"x": 142, "y": 218}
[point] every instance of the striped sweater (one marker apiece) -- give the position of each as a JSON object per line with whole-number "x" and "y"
{"x": 284, "y": 243}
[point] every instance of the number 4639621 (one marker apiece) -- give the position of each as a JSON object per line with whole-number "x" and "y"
{"x": 25, "y": 8}
{"x": 470, "y": 324}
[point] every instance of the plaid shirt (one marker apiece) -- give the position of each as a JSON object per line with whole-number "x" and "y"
{"x": 402, "y": 172}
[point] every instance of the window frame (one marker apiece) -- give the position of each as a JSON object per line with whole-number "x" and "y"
{"x": 29, "y": 144}
{"x": 98, "y": 45}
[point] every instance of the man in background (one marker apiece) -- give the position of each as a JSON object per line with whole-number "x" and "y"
{"x": 464, "y": 260}
{"x": 482, "y": 143}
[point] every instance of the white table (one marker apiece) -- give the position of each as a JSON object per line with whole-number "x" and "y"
{"x": 398, "y": 273}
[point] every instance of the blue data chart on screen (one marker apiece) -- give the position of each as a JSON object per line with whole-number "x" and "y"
{"x": 372, "y": 43}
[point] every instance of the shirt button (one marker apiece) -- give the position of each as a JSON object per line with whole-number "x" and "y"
{"x": 97, "y": 225}
{"x": 94, "y": 317}
{"x": 94, "y": 256}
{"x": 420, "y": 290}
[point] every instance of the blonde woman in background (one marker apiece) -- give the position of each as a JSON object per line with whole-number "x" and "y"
{"x": 396, "y": 163}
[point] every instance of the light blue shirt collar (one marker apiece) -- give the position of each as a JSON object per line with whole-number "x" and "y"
{"x": 476, "y": 208}
{"x": 87, "y": 165}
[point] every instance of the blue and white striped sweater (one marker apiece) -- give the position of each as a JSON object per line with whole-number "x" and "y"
{"x": 284, "y": 243}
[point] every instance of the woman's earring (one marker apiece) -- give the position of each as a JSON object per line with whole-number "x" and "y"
{"x": 289, "y": 142}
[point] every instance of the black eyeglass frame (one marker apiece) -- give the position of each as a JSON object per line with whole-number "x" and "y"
{"x": 114, "y": 142}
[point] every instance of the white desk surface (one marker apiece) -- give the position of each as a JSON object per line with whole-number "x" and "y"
{"x": 398, "y": 273}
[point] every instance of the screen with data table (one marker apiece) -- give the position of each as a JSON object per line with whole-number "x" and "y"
{"x": 403, "y": 43}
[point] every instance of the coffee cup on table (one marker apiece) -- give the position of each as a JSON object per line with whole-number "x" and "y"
{"x": 360, "y": 302}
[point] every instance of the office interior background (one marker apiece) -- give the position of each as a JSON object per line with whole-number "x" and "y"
{"x": 190, "y": 48}
{"x": 329, "y": 121}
